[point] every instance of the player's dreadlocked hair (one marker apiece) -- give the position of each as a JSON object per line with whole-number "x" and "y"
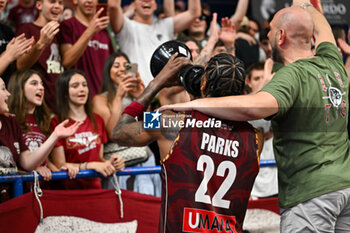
{"x": 224, "y": 76}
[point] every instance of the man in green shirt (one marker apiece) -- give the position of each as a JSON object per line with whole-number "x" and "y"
{"x": 307, "y": 101}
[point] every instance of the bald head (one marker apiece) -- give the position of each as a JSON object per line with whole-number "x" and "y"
{"x": 297, "y": 24}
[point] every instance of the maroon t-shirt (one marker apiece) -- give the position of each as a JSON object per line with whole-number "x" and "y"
{"x": 94, "y": 57}
{"x": 11, "y": 142}
{"x": 207, "y": 179}
{"x": 20, "y": 15}
{"x": 48, "y": 65}
{"x": 83, "y": 146}
{"x": 34, "y": 138}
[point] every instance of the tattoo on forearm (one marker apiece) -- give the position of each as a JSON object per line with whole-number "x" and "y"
{"x": 170, "y": 133}
{"x": 203, "y": 57}
{"x": 121, "y": 130}
{"x": 147, "y": 96}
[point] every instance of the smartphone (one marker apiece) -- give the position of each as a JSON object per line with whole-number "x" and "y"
{"x": 102, "y": 3}
{"x": 131, "y": 69}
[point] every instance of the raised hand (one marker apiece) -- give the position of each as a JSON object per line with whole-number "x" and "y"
{"x": 61, "y": 131}
{"x": 214, "y": 29}
{"x": 168, "y": 76}
{"x": 127, "y": 84}
{"x": 140, "y": 87}
{"x": 228, "y": 32}
{"x": 18, "y": 46}
{"x": 97, "y": 24}
{"x": 48, "y": 33}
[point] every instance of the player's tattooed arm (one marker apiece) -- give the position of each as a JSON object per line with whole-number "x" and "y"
{"x": 147, "y": 96}
{"x": 129, "y": 132}
{"x": 170, "y": 132}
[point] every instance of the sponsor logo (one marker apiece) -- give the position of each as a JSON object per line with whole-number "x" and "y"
{"x": 196, "y": 220}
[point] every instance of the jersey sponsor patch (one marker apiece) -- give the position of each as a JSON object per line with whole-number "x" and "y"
{"x": 197, "y": 220}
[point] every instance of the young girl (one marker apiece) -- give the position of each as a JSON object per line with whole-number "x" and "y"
{"x": 13, "y": 150}
{"x": 31, "y": 113}
{"x": 83, "y": 150}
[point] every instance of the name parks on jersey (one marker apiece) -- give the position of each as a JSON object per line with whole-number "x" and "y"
{"x": 218, "y": 145}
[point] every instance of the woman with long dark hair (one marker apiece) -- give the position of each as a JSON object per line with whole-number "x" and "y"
{"x": 117, "y": 91}
{"x": 31, "y": 113}
{"x": 119, "y": 88}
{"x": 83, "y": 150}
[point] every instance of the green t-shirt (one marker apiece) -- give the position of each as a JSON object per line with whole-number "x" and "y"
{"x": 310, "y": 129}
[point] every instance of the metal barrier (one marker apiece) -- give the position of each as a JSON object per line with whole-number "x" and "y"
{"x": 18, "y": 179}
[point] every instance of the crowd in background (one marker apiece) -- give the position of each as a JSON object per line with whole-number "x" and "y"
{"x": 61, "y": 63}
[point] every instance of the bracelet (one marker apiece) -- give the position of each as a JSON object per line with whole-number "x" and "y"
{"x": 135, "y": 109}
{"x": 79, "y": 166}
{"x": 305, "y": 5}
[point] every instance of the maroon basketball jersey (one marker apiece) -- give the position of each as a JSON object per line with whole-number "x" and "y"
{"x": 208, "y": 176}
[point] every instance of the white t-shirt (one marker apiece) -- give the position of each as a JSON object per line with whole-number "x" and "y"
{"x": 266, "y": 182}
{"x": 139, "y": 41}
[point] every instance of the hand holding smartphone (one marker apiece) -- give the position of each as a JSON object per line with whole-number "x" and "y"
{"x": 131, "y": 69}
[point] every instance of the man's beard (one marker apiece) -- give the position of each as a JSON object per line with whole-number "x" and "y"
{"x": 276, "y": 55}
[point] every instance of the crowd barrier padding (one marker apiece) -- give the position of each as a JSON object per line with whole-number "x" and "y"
{"x": 22, "y": 214}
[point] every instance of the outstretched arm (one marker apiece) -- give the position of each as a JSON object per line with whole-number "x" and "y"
{"x": 206, "y": 52}
{"x": 183, "y": 20}
{"x": 169, "y": 8}
{"x": 30, "y": 160}
{"x": 234, "y": 108}
{"x": 322, "y": 29}
{"x": 116, "y": 15}
{"x": 241, "y": 11}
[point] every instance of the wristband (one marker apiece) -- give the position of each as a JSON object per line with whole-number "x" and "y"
{"x": 135, "y": 109}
